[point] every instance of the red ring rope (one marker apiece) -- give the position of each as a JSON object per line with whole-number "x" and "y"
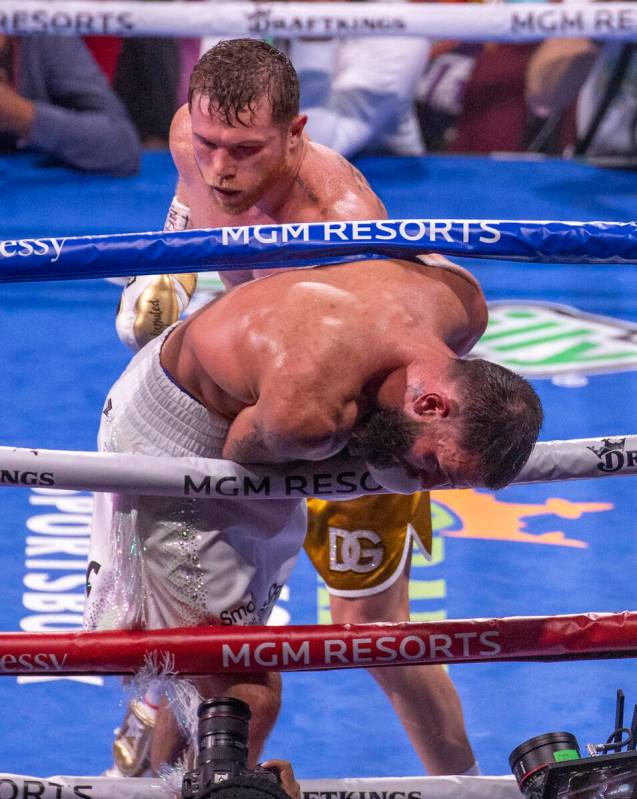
{"x": 210, "y": 650}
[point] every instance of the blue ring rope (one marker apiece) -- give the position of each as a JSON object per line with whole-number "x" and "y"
{"x": 316, "y": 243}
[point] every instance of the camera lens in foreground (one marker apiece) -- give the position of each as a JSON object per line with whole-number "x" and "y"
{"x": 529, "y": 760}
{"x": 223, "y": 731}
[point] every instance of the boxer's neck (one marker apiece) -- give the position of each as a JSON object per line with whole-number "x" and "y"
{"x": 424, "y": 375}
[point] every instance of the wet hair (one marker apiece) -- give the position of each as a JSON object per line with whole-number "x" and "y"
{"x": 234, "y": 75}
{"x": 501, "y": 418}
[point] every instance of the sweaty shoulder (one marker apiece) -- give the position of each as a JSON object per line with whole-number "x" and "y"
{"x": 336, "y": 187}
{"x": 468, "y": 291}
{"x": 181, "y": 143}
{"x": 436, "y": 259}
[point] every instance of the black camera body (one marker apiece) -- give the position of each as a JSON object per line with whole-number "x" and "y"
{"x": 222, "y": 756}
{"x": 530, "y": 760}
{"x": 541, "y": 772}
{"x": 550, "y": 766}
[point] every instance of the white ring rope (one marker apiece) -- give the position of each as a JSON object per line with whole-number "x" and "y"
{"x": 470, "y": 22}
{"x": 337, "y": 478}
{"x": 70, "y": 787}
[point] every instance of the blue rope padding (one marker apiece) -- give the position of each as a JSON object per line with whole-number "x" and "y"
{"x": 316, "y": 243}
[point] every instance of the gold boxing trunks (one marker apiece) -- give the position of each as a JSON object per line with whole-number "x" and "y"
{"x": 360, "y": 546}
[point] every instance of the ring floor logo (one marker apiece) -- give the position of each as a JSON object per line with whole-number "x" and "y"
{"x": 473, "y": 514}
{"x": 549, "y": 340}
{"x": 477, "y": 515}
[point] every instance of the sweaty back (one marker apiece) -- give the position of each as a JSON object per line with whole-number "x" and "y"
{"x": 337, "y": 324}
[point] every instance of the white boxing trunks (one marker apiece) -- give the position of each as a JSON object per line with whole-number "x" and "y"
{"x": 168, "y": 562}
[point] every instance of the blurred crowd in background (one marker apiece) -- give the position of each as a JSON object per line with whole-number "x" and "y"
{"x": 93, "y": 104}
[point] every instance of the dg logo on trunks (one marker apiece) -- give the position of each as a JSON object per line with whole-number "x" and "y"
{"x": 359, "y": 551}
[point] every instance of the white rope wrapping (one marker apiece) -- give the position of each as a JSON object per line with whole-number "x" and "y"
{"x": 336, "y": 478}
{"x": 469, "y": 22}
{"x": 68, "y": 787}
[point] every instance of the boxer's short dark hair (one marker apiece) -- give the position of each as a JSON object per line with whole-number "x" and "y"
{"x": 501, "y": 418}
{"x": 236, "y": 74}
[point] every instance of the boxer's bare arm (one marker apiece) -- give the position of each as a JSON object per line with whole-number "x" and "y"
{"x": 180, "y": 143}
{"x": 329, "y": 189}
{"x": 281, "y": 431}
{"x": 363, "y": 202}
{"x": 178, "y": 139}
{"x": 470, "y": 294}
{"x": 191, "y": 189}
{"x": 181, "y": 195}
{"x": 255, "y": 438}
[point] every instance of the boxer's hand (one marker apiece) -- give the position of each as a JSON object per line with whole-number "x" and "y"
{"x": 283, "y": 769}
{"x": 151, "y": 303}
{"x": 16, "y": 112}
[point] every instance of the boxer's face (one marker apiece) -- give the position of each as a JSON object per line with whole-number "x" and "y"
{"x": 440, "y": 461}
{"x": 244, "y": 162}
{"x": 386, "y": 437}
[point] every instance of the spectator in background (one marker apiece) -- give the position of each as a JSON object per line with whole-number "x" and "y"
{"x": 106, "y": 51}
{"x": 495, "y": 116}
{"x": 359, "y": 93}
{"x": 151, "y": 77}
{"x": 603, "y": 81}
{"x": 471, "y": 98}
{"x": 147, "y": 81}
{"x": 440, "y": 91}
{"x": 55, "y": 99}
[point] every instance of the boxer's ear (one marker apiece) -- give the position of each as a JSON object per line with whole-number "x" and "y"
{"x": 297, "y": 125}
{"x": 431, "y": 404}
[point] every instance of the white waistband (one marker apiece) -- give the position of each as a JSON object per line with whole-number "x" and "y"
{"x": 156, "y": 416}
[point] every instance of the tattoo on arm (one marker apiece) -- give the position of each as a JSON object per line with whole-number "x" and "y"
{"x": 311, "y": 195}
{"x": 363, "y": 186}
{"x": 258, "y": 446}
{"x": 247, "y": 449}
{"x": 359, "y": 179}
{"x": 360, "y": 184}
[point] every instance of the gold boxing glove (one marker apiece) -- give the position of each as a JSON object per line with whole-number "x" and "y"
{"x": 131, "y": 747}
{"x": 151, "y": 303}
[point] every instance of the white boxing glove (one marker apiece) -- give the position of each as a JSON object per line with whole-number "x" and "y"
{"x": 395, "y": 479}
{"x": 151, "y": 303}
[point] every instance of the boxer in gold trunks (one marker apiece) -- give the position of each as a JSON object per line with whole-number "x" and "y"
{"x": 362, "y": 549}
{"x": 243, "y": 158}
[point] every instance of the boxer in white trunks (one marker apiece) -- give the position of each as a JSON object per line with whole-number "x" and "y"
{"x": 220, "y": 159}
{"x": 256, "y": 376}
